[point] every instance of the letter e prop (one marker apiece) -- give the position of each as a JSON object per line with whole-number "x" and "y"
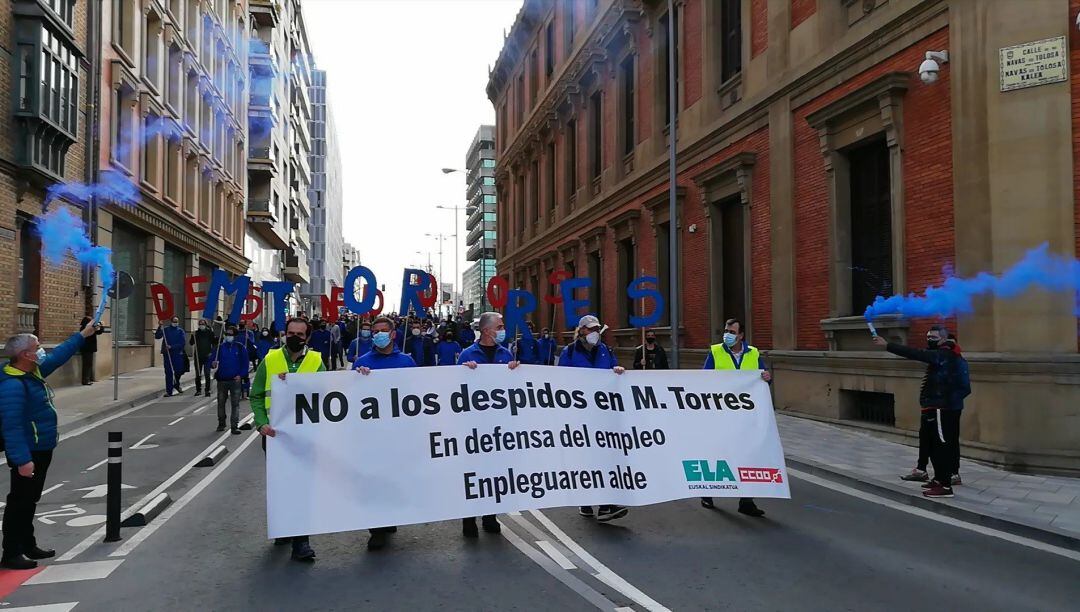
{"x": 571, "y": 305}
{"x": 193, "y": 296}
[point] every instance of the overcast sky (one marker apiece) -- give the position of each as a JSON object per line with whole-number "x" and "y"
{"x": 406, "y": 80}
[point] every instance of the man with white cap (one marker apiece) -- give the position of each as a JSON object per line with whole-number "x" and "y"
{"x": 587, "y": 351}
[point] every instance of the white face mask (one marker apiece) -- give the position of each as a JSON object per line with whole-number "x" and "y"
{"x": 40, "y": 354}
{"x": 593, "y": 338}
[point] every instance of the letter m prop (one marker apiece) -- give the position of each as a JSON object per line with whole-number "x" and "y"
{"x": 238, "y": 288}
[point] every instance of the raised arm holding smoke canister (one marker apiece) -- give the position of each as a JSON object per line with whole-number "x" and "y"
{"x": 29, "y": 429}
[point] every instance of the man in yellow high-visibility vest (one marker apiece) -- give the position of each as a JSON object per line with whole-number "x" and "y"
{"x": 293, "y": 358}
{"x": 735, "y": 354}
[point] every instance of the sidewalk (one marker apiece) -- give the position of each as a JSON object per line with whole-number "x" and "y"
{"x": 1018, "y": 503}
{"x": 79, "y": 404}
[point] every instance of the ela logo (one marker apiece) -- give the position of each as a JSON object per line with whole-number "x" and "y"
{"x": 698, "y": 470}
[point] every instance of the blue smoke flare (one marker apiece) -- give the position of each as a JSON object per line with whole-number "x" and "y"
{"x": 1038, "y": 269}
{"x": 61, "y": 233}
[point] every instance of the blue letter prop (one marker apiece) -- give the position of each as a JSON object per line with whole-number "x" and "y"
{"x": 354, "y": 305}
{"x": 569, "y": 303}
{"x": 238, "y": 288}
{"x": 636, "y": 293}
{"x": 515, "y": 313}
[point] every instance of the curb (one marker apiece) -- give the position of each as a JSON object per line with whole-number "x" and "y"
{"x": 1046, "y": 535}
{"x": 112, "y": 409}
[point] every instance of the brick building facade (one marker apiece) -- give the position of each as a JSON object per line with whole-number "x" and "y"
{"x": 816, "y": 170}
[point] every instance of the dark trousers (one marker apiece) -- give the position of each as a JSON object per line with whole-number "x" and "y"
{"x": 87, "y": 368}
{"x": 172, "y": 375}
{"x": 927, "y": 431}
{"x": 336, "y": 358}
{"x": 296, "y": 540}
{"x": 202, "y": 372}
{"x": 22, "y": 504}
{"x": 945, "y": 445}
{"x": 228, "y": 389}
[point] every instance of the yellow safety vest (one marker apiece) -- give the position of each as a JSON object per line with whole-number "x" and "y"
{"x": 722, "y": 359}
{"x": 277, "y": 363}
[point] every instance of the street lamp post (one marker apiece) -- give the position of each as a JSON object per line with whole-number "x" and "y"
{"x": 457, "y": 242}
{"x": 440, "y": 238}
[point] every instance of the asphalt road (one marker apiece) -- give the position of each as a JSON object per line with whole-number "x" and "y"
{"x": 823, "y": 550}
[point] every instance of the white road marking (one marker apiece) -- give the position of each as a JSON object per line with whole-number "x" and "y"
{"x": 948, "y": 520}
{"x": 175, "y": 422}
{"x": 100, "y": 490}
{"x": 590, "y": 594}
{"x": 97, "y": 465}
{"x": 555, "y": 555}
{"x": 602, "y": 572}
{"x": 60, "y": 607}
{"x": 139, "y": 445}
{"x": 199, "y": 409}
{"x": 90, "y": 570}
{"x": 95, "y": 537}
{"x": 624, "y": 609}
{"x": 53, "y": 488}
{"x": 85, "y": 428}
{"x": 141, "y": 535}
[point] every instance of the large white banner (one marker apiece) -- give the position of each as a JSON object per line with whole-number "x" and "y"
{"x": 415, "y": 445}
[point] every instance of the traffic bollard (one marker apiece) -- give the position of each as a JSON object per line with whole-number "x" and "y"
{"x": 112, "y": 495}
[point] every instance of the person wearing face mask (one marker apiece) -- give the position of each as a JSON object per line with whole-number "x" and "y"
{"x": 263, "y": 345}
{"x": 294, "y": 357}
{"x": 488, "y": 349}
{"x": 650, "y": 356}
{"x": 361, "y": 345}
{"x": 173, "y": 339}
{"x": 86, "y": 353}
{"x": 447, "y": 351}
{"x": 28, "y": 422}
{"x": 466, "y": 336}
{"x": 945, "y": 384}
{"x": 735, "y": 354}
{"x": 335, "y": 345}
{"x": 546, "y": 345}
{"x": 418, "y": 346}
{"x": 320, "y": 341}
{"x": 203, "y": 342}
{"x": 527, "y": 348}
{"x": 230, "y": 362}
{"x": 587, "y": 351}
{"x": 246, "y": 338}
{"x": 384, "y": 356}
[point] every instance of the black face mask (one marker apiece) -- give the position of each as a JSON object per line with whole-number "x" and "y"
{"x": 933, "y": 344}
{"x": 295, "y": 343}
{"x": 650, "y": 340}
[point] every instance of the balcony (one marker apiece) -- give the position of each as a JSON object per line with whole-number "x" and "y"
{"x": 299, "y": 232}
{"x": 296, "y": 268}
{"x": 263, "y": 220}
{"x": 477, "y": 214}
{"x": 475, "y": 251}
{"x": 261, "y": 160}
{"x": 265, "y": 12}
{"x": 261, "y": 57}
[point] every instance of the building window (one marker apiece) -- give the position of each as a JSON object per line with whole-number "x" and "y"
{"x": 65, "y": 9}
{"x": 489, "y": 180}
{"x": 534, "y": 76}
{"x": 489, "y": 199}
{"x": 191, "y": 16}
{"x": 502, "y": 129}
{"x": 549, "y": 181}
{"x": 191, "y": 114}
{"x": 731, "y": 251}
{"x": 596, "y": 133}
{"x": 627, "y": 274}
{"x": 129, "y": 255}
{"x": 124, "y": 119}
{"x": 663, "y": 268}
{"x": 568, "y": 24}
{"x": 47, "y": 101}
{"x": 151, "y": 160}
{"x": 549, "y": 49}
{"x": 571, "y": 158}
{"x": 534, "y": 190}
{"x": 489, "y": 163}
{"x": 519, "y": 206}
{"x": 152, "y": 49}
{"x": 125, "y": 26}
{"x": 173, "y": 77}
{"x": 29, "y": 272}
{"x": 730, "y": 39}
{"x": 871, "y": 214}
{"x": 519, "y": 101}
{"x": 668, "y": 45}
{"x": 172, "y": 169}
{"x": 595, "y": 269}
{"x": 628, "y": 105}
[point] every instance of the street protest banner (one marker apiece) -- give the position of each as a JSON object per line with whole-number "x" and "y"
{"x": 397, "y": 447}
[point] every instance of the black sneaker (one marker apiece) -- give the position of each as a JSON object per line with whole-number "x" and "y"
{"x": 221, "y": 427}
{"x": 610, "y": 513}
{"x": 236, "y": 431}
{"x": 17, "y": 562}
{"x": 302, "y": 551}
{"x": 706, "y": 502}
{"x": 377, "y": 541}
{"x": 468, "y": 528}
{"x": 281, "y": 541}
{"x": 491, "y": 524}
{"x": 749, "y": 508}
{"x": 39, "y": 553}
{"x": 586, "y": 511}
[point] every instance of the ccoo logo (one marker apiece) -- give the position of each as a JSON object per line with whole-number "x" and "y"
{"x": 750, "y": 474}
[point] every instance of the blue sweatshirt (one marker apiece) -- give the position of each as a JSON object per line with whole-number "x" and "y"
{"x": 466, "y": 336}
{"x": 232, "y": 360}
{"x": 320, "y": 341}
{"x": 476, "y": 353}
{"x": 547, "y": 351}
{"x": 577, "y": 356}
{"x": 528, "y": 351}
{"x": 378, "y": 361}
{"x": 419, "y": 347}
{"x": 447, "y": 352}
{"x": 358, "y": 347}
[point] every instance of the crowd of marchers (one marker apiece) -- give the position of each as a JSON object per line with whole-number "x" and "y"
{"x": 242, "y": 359}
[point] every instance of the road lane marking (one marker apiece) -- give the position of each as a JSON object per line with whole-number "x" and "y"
{"x": 60, "y": 607}
{"x": 175, "y": 422}
{"x": 199, "y": 409}
{"x": 91, "y": 539}
{"x": 96, "y": 465}
{"x": 139, "y": 445}
{"x": 573, "y": 582}
{"x": 555, "y": 555}
{"x": 53, "y": 488}
{"x": 85, "y": 428}
{"x": 71, "y": 572}
{"x": 948, "y": 520}
{"x": 145, "y": 532}
{"x": 602, "y": 571}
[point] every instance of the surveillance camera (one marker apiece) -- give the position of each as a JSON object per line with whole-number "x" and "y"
{"x": 929, "y": 69}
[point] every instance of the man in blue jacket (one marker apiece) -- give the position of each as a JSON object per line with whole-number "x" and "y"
{"x": 28, "y": 421}
{"x": 418, "y": 345}
{"x": 447, "y": 350}
{"x": 320, "y": 341}
{"x": 466, "y": 335}
{"x": 360, "y": 345}
{"x": 384, "y": 356}
{"x": 173, "y": 340}
{"x": 230, "y": 360}
{"x": 547, "y": 348}
{"x": 487, "y": 350}
{"x": 587, "y": 351}
{"x": 527, "y": 348}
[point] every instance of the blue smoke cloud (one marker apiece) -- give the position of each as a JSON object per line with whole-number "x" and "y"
{"x": 62, "y": 233}
{"x": 1038, "y": 269}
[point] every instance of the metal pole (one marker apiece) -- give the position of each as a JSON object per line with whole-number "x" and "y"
{"x": 673, "y": 234}
{"x": 116, "y": 338}
{"x": 112, "y": 491}
{"x": 457, "y": 259}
